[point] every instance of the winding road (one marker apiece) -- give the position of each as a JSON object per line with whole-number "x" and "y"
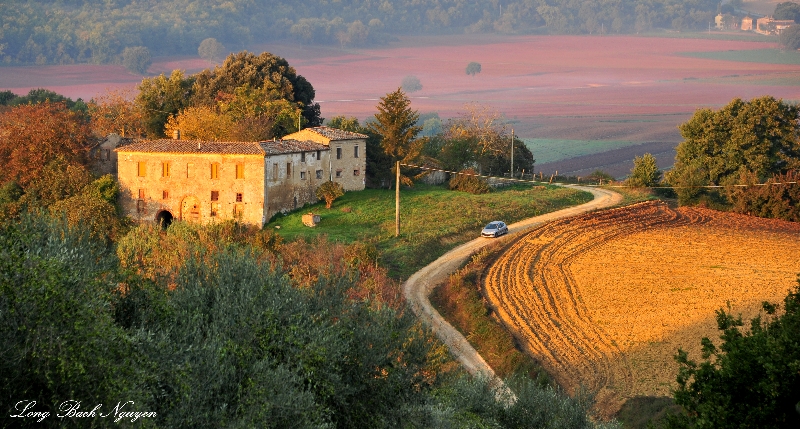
{"x": 420, "y": 285}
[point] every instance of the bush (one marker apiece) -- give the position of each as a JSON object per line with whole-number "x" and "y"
{"x": 329, "y": 191}
{"x": 645, "y": 172}
{"x": 773, "y": 200}
{"x": 468, "y": 181}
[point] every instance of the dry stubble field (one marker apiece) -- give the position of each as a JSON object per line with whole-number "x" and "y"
{"x": 606, "y": 299}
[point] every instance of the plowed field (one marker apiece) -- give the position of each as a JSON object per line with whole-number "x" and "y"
{"x": 605, "y": 300}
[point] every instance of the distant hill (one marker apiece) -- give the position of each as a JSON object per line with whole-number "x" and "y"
{"x": 81, "y": 31}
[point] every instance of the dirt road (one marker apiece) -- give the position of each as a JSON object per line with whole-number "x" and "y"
{"x": 419, "y": 286}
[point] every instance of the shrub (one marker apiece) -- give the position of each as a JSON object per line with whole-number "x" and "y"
{"x": 645, "y": 172}
{"x": 329, "y": 191}
{"x": 468, "y": 181}
{"x": 473, "y": 68}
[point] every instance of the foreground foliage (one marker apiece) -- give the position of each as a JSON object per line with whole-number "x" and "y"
{"x": 223, "y": 337}
{"x": 751, "y": 379}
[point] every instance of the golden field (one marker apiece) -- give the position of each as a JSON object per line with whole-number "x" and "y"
{"x": 606, "y": 299}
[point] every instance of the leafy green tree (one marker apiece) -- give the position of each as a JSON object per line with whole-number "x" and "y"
{"x": 787, "y": 10}
{"x": 473, "y": 68}
{"x": 751, "y": 379}
{"x": 757, "y": 136}
{"x": 411, "y": 84}
{"x": 329, "y": 191}
{"x": 266, "y": 72}
{"x": 136, "y": 59}
{"x": 396, "y": 122}
{"x": 645, "y": 172}
{"x": 58, "y": 339}
{"x": 468, "y": 181}
{"x": 162, "y": 96}
{"x": 211, "y": 50}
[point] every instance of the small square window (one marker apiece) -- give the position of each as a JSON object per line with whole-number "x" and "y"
{"x": 214, "y": 209}
{"x": 141, "y": 168}
{"x": 319, "y": 174}
{"x": 239, "y": 197}
{"x": 141, "y": 194}
{"x": 355, "y": 152}
{"x": 164, "y": 195}
{"x": 240, "y": 171}
{"x": 338, "y": 153}
{"x": 302, "y": 157}
{"x": 165, "y": 169}
{"x": 107, "y": 153}
{"x": 288, "y": 170}
{"x": 319, "y": 154}
{"x": 214, "y": 195}
{"x": 356, "y": 172}
{"x": 214, "y": 170}
{"x": 338, "y": 173}
{"x": 275, "y": 171}
{"x": 302, "y": 175}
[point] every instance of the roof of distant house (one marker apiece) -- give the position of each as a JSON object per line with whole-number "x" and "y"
{"x": 335, "y": 133}
{"x": 268, "y": 147}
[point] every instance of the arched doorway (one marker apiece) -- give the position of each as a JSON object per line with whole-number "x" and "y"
{"x": 164, "y": 218}
{"x": 190, "y": 209}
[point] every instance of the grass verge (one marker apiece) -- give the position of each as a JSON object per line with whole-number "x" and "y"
{"x": 433, "y": 219}
{"x": 460, "y": 302}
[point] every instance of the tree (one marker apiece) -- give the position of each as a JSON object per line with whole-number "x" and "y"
{"x": 266, "y": 72}
{"x": 33, "y": 135}
{"x": 468, "y": 181}
{"x": 757, "y": 136}
{"x": 473, "y": 68}
{"x": 395, "y": 122}
{"x": 411, "y": 84}
{"x": 751, "y": 380}
{"x": 162, "y": 96}
{"x": 329, "y": 191}
{"x": 136, "y": 59}
{"x": 201, "y": 123}
{"x": 116, "y": 112}
{"x": 211, "y": 50}
{"x": 787, "y": 10}
{"x": 645, "y": 172}
{"x": 790, "y": 37}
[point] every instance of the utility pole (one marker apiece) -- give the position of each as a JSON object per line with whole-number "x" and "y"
{"x": 397, "y": 202}
{"x": 512, "y": 153}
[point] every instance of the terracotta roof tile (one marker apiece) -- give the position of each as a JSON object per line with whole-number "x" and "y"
{"x": 268, "y": 147}
{"x": 336, "y": 134}
{"x": 290, "y": 146}
{"x": 193, "y": 146}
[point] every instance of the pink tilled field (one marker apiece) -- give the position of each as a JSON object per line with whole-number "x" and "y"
{"x": 622, "y": 88}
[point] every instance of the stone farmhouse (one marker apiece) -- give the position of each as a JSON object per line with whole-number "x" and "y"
{"x": 204, "y": 182}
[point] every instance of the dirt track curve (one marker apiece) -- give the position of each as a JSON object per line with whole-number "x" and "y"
{"x": 419, "y": 286}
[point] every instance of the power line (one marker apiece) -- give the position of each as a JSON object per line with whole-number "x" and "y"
{"x": 738, "y": 185}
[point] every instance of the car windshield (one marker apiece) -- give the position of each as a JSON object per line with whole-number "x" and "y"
{"x": 491, "y": 226}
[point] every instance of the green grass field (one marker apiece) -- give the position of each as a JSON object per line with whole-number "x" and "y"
{"x": 766, "y": 56}
{"x": 550, "y": 150}
{"x": 433, "y": 219}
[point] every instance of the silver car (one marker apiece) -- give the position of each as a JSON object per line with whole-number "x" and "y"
{"x": 494, "y": 229}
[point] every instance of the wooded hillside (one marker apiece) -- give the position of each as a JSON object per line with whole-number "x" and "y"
{"x": 69, "y": 31}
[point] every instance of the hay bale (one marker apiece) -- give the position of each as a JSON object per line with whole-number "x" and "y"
{"x": 310, "y": 219}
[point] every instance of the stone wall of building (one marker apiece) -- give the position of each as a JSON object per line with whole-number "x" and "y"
{"x": 183, "y": 185}
{"x": 348, "y": 164}
{"x": 292, "y": 179}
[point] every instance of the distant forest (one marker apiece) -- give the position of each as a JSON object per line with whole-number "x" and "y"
{"x": 79, "y": 31}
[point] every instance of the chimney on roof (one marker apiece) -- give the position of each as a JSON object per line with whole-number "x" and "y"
{"x": 176, "y": 135}
{"x": 198, "y": 145}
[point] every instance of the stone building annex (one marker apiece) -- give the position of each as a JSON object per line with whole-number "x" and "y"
{"x": 205, "y": 181}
